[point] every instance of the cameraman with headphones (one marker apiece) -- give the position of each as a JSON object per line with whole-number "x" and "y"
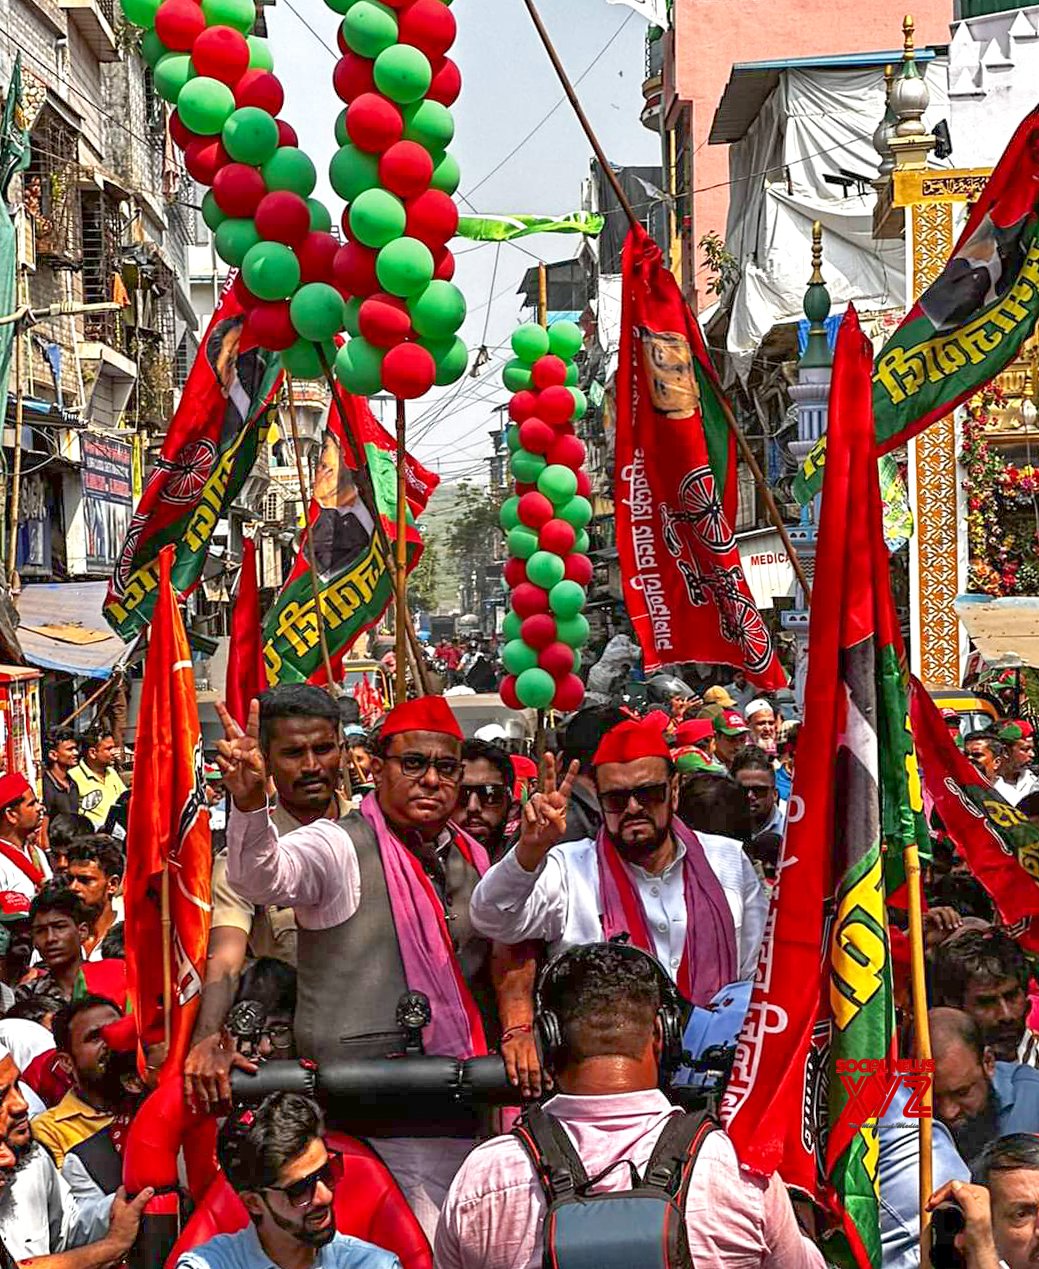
{"x": 608, "y": 1021}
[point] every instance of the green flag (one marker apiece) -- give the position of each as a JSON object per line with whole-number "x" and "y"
{"x": 505, "y": 228}
{"x": 14, "y": 157}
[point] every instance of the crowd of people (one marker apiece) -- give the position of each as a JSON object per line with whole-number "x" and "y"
{"x": 574, "y": 917}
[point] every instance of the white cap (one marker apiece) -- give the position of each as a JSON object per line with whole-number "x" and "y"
{"x": 756, "y": 706}
{"x": 490, "y": 732}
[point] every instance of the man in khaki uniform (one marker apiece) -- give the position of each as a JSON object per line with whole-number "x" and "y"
{"x": 300, "y": 737}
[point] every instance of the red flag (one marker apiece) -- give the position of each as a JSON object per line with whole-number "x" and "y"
{"x": 168, "y": 831}
{"x": 675, "y": 490}
{"x": 246, "y": 672}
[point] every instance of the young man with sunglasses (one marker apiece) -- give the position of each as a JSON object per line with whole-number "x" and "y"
{"x": 276, "y": 1160}
{"x": 485, "y": 795}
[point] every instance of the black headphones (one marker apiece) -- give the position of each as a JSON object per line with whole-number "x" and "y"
{"x": 671, "y": 1014}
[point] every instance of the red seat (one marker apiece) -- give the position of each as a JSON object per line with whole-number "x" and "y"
{"x": 368, "y": 1205}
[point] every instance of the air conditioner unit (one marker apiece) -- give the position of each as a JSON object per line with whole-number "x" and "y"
{"x": 25, "y": 231}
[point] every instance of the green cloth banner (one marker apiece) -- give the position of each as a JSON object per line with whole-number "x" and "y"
{"x": 505, "y": 228}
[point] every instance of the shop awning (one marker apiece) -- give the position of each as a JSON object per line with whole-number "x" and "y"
{"x": 61, "y": 627}
{"x": 1005, "y": 631}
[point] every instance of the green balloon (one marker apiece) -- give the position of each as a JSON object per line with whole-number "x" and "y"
{"x": 573, "y": 631}
{"x": 141, "y": 12}
{"x": 516, "y": 375}
{"x": 341, "y": 7}
{"x": 351, "y": 315}
{"x": 438, "y": 311}
{"x": 172, "y": 72}
{"x": 353, "y": 171}
{"x": 233, "y": 237}
{"x": 289, "y": 168}
{"x": 260, "y": 55}
{"x": 429, "y": 123}
{"x": 583, "y": 542}
{"x": 317, "y": 311}
{"x": 571, "y": 375}
{"x": 518, "y": 656}
{"x": 446, "y": 174}
{"x": 369, "y": 28}
{"x": 376, "y": 216}
{"x": 565, "y": 340}
{"x": 250, "y": 135}
{"x": 535, "y": 688}
{"x": 566, "y": 599}
{"x": 545, "y": 569}
{"x": 529, "y": 342}
{"x": 508, "y": 515}
{"x": 359, "y": 367}
{"x": 152, "y": 48}
{"x": 271, "y": 271}
{"x": 404, "y": 266}
{"x": 577, "y": 512}
{"x": 451, "y": 357}
{"x": 301, "y": 359}
{"x": 512, "y": 439}
{"x": 580, "y": 402}
{"x": 320, "y": 217}
{"x": 577, "y": 657}
{"x": 211, "y": 213}
{"x": 510, "y": 627}
{"x": 557, "y": 483}
{"x": 240, "y": 14}
{"x": 342, "y": 136}
{"x": 522, "y": 542}
{"x": 205, "y": 105}
{"x": 526, "y": 466}
{"x": 402, "y": 73}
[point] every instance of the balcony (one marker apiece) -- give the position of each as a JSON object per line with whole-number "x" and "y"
{"x": 653, "y": 84}
{"x": 95, "y": 21}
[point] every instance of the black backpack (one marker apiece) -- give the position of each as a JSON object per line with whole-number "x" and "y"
{"x": 643, "y": 1226}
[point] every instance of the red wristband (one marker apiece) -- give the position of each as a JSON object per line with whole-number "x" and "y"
{"x": 524, "y": 1028}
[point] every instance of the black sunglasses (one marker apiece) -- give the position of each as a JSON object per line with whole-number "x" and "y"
{"x": 301, "y": 1193}
{"x": 489, "y": 794}
{"x": 415, "y": 766}
{"x": 646, "y": 795}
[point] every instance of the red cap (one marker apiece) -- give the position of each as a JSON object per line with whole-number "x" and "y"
{"x": 13, "y": 786}
{"x": 523, "y": 768}
{"x": 658, "y": 718}
{"x": 427, "y": 713}
{"x": 121, "y": 1036}
{"x": 730, "y": 722}
{"x": 631, "y": 740}
{"x": 694, "y": 730}
{"x": 13, "y": 905}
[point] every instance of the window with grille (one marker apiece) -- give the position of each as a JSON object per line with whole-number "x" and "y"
{"x": 51, "y": 191}
{"x": 102, "y": 234}
{"x": 272, "y": 507}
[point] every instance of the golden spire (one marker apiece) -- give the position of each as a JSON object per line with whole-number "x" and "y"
{"x": 889, "y": 79}
{"x": 817, "y": 254}
{"x": 908, "y": 46}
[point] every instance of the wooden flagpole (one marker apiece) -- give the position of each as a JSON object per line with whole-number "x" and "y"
{"x": 167, "y": 958}
{"x": 741, "y": 441}
{"x": 921, "y": 1037}
{"x": 401, "y": 575}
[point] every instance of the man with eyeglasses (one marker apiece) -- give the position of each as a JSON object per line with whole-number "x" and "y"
{"x": 277, "y": 1162}
{"x": 692, "y": 900}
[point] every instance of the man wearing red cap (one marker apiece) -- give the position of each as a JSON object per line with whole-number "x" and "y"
{"x": 689, "y": 899}
{"x": 382, "y": 908}
{"x": 23, "y": 866}
{"x": 1016, "y": 776}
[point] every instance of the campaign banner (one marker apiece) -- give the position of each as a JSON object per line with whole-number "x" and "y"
{"x": 107, "y": 480}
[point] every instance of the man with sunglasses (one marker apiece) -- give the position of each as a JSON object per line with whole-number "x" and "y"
{"x": 485, "y": 795}
{"x": 277, "y": 1162}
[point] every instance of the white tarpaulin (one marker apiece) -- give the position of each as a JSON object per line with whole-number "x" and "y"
{"x": 816, "y": 121}
{"x": 654, "y": 11}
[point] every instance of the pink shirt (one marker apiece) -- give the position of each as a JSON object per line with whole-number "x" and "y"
{"x": 495, "y": 1208}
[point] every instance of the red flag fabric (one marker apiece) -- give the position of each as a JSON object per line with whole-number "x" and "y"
{"x": 167, "y": 830}
{"x": 675, "y": 485}
{"x": 999, "y": 844}
{"x": 246, "y": 670}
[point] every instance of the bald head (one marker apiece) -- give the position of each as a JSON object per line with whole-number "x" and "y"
{"x": 951, "y": 1027}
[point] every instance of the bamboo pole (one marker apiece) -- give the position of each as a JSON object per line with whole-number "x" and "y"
{"x": 16, "y": 473}
{"x": 167, "y": 960}
{"x": 921, "y": 1038}
{"x": 105, "y": 686}
{"x": 401, "y": 563}
{"x": 308, "y": 537}
{"x": 741, "y": 441}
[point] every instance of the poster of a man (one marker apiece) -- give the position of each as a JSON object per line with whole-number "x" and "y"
{"x": 345, "y": 524}
{"x": 238, "y": 374}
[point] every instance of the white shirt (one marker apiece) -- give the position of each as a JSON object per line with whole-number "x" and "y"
{"x": 38, "y": 1215}
{"x": 561, "y": 902}
{"x": 12, "y": 877}
{"x": 1027, "y": 782}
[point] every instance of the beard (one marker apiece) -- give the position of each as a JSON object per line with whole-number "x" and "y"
{"x": 304, "y": 1232}
{"x": 975, "y": 1132}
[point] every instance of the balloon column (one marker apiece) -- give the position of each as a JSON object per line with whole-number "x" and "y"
{"x": 394, "y": 173}
{"x": 545, "y": 522}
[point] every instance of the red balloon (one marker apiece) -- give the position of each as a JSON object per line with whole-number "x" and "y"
{"x": 539, "y": 631}
{"x": 354, "y": 269}
{"x": 578, "y": 568}
{"x": 569, "y": 694}
{"x": 373, "y": 123}
{"x": 443, "y": 265}
{"x": 507, "y": 692}
{"x": 242, "y": 293}
{"x": 525, "y": 487}
{"x": 283, "y": 217}
{"x": 555, "y": 405}
{"x": 522, "y": 406}
{"x": 406, "y": 169}
{"x": 271, "y": 326}
{"x": 536, "y": 436}
{"x": 258, "y": 87}
{"x": 178, "y": 23}
{"x": 408, "y": 371}
{"x": 316, "y": 254}
{"x": 204, "y": 158}
{"x": 446, "y": 83}
{"x": 182, "y": 136}
{"x": 548, "y": 371}
{"x": 557, "y": 659}
{"x": 535, "y": 510}
{"x": 352, "y": 77}
{"x": 222, "y": 53}
{"x": 528, "y": 599}
{"x": 286, "y": 134}
{"x": 567, "y": 451}
{"x": 584, "y": 484}
{"x": 429, "y": 25}
{"x": 237, "y": 189}
{"x": 384, "y": 320}
{"x": 432, "y": 216}
{"x": 557, "y": 536}
{"x": 514, "y": 572}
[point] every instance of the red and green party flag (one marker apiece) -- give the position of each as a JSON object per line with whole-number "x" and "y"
{"x": 355, "y": 578}
{"x": 971, "y": 321}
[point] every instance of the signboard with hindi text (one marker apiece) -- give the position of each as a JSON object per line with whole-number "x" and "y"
{"x": 107, "y": 476}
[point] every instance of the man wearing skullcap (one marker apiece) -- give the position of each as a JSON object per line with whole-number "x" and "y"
{"x": 1016, "y": 777}
{"x": 692, "y": 900}
{"x": 23, "y": 866}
